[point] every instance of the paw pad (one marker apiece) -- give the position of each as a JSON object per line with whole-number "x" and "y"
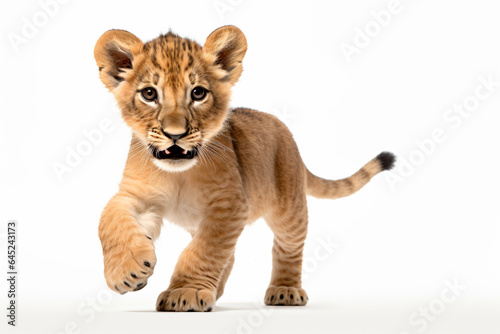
{"x": 186, "y": 300}
{"x": 287, "y": 296}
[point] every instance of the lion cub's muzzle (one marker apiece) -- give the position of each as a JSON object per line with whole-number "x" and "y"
{"x": 174, "y": 152}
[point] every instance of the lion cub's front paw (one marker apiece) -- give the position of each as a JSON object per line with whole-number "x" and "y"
{"x": 285, "y": 295}
{"x": 127, "y": 267}
{"x": 186, "y": 299}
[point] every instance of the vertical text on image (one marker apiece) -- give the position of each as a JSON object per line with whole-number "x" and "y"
{"x": 12, "y": 272}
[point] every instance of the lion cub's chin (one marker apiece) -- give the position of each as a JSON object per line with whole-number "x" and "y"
{"x": 175, "y": 166}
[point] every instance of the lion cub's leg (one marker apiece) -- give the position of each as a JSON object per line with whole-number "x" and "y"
{"x": 127, "y": 243}
{"x": 202, "y": 266}
{"x": 290, "y": 231}
{"x": 195, "y": 281}
{"x": 225, "y": 276}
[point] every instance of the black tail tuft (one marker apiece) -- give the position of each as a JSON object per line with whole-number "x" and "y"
{"x": 386, "y": 160}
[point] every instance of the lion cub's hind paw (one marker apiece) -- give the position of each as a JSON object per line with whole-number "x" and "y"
{"x": 285, "y": 296}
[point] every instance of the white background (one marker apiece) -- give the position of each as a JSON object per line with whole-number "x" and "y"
{"x": 396, "y": 243}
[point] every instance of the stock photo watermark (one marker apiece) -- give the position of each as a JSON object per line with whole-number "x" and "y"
{"x": 87, "y": 311}
{"x": 74, "y": 155}
{"x": 453, "y": 119}
{"x": 253, "y": 320}
{"x": 322, "y": 251}
{"x": 12, "y": 272}
{"x": 283, "y": 114}
{"x": 31, "y": 26}
{"x": 421, "y": 319}
{"x": 370, "y": 30}
{"x": 222, "y": 7}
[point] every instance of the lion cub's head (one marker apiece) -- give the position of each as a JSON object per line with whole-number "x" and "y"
{"x": 172, "y": 92}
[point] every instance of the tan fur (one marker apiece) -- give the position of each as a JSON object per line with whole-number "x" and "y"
{"x": 248, "y": 167}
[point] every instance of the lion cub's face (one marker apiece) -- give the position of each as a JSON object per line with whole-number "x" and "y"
{"x": 172, "y": 92}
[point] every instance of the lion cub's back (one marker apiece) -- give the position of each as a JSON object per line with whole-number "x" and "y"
{"x": 256, "y": 130}
{"x": 266, "y": 152}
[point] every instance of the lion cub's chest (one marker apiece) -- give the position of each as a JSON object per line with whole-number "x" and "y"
{"x": 184, "y": 206}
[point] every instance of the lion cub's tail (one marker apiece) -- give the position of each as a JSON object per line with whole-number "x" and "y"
{"x": 332, "y": 189}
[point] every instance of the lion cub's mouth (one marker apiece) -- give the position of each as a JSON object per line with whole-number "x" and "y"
{"x": 174, "y": 152}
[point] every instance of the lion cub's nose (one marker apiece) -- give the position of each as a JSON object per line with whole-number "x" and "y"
{"x": 175, "y": 137}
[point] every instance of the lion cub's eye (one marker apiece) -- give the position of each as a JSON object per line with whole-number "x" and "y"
{"x": 149, "y": 93}
{"x": 198, "y": 93}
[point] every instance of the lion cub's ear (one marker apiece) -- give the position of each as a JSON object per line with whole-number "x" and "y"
{"x": 114, "y": 53}
{"x": 226, "y": 47}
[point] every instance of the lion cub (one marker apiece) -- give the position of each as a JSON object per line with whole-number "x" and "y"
{"x": 204, "y": 166}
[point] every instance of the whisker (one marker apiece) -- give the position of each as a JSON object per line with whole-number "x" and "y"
{"x": 216, "y": 134}
{"x": 215, "y": 152}
{"x": 208, "y": 157}
{"x": 220, "y": 151}
{"x": 219, "y": 144}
